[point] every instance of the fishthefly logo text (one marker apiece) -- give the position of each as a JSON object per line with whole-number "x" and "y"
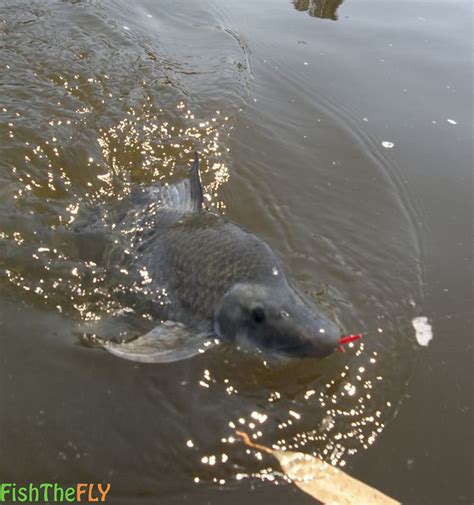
{"x": 54, "y": 493}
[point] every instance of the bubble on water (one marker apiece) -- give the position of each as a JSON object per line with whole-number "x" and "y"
{"x": 451, "y": 121}
{"x": 387, "y": 144}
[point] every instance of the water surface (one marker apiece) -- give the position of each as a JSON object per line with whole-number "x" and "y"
{"x": 338, "y": 132}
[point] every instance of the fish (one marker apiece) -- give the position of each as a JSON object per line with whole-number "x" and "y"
{"x": 222, "y": 284}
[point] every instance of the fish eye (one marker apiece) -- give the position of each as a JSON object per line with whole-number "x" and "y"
{"x": 258, "y": 314}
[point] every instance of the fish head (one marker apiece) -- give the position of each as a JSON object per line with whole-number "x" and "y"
{"x": 274, "y": 319}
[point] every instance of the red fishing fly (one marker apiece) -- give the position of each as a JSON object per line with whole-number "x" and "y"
{"x": 348, "y": 338}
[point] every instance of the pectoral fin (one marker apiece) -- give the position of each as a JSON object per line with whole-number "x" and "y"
{"x": 165, "y": 343}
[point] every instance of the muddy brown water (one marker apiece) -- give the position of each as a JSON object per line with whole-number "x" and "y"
{"x": 341, "y": 134}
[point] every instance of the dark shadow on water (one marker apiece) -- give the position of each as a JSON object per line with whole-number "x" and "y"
{"x": 324, "y": 9}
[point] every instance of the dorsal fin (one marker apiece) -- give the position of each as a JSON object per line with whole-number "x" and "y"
{"x": 196, "y": 187}
{"x": 183, "y": 196}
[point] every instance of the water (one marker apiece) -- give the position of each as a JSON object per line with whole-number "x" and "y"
{"x": 338, "y": 132}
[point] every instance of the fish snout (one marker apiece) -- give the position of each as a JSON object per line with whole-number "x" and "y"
{"x": 323, "y": 340}
{"x": 316, "y": 338}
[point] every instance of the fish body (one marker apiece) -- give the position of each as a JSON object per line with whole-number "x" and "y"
{"x": 218, "y": 280}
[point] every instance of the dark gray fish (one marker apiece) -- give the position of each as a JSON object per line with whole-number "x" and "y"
{"x": 214, "y": 279}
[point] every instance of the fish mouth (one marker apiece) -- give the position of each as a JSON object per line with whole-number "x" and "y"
{"x": 306, "y": 350}
{"x": 311, "y": 344}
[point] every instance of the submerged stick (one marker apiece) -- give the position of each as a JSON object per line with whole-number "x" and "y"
{"x": 321, "y": 480}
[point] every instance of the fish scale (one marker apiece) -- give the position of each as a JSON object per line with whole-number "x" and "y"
{"x": 206, "y": 251}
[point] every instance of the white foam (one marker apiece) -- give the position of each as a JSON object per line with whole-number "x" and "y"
{"x": 423, "y": 330}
